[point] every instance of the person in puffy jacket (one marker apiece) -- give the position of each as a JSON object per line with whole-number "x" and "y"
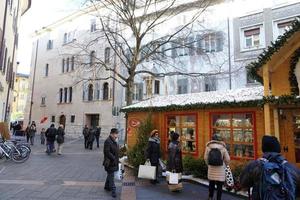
{"x": 251, "y": 174}
{"x": 216, "y": 174}
{"x": 174, "y": 154}
{"x": 153, "y": 151}
{"x": 50, "y": 136}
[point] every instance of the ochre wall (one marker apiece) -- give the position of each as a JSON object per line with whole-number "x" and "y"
{"x": 203, "y": 126}
{"x": 280, "y": 80}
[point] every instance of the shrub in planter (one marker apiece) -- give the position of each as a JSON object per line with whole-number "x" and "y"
{"x": 236, "y": 172}
{"x": 136, "y": 155}
{"x": 196, "y": 167}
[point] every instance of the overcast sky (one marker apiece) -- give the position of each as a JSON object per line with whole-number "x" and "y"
{"x": 45, "y": 12}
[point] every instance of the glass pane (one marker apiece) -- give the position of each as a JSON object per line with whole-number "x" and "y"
{"x": 238, "y": 135}
{"x": 238, "y": 120}
{"x": 189, "y": 120}
{"x": 243, "y": 150}
{"x": 249, "y": 120}
{"x": 188, "y": 139}
{"x": 248, "y": 135}
{"x": 221, "y": 120}
{"x": 248, "y": 42}
{"x": 173, "y": 121}
{"x": 223, "y": 133}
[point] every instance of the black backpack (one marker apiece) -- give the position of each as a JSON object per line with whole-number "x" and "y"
{"x": 215, "y": 157}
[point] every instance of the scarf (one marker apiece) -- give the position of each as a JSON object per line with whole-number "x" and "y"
{"x": 154, "y": 139}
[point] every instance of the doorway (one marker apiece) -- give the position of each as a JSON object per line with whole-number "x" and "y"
{"x": 290, "y": 135}
{"x": 62, "y": 120}
{"x": 92, "y": 120}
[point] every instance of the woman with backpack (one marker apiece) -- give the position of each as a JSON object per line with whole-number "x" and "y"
{"x": 216, "y": 157}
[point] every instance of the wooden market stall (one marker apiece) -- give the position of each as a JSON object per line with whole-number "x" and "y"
{"x": 236, "y": 115}
{"x": 278, "y": 68}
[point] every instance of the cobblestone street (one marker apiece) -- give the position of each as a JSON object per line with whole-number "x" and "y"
{"x": 78, "y": 175}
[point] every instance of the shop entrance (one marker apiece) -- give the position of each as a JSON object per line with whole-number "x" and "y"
{"x": 290, "y": 134}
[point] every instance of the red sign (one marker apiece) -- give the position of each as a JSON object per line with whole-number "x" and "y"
{"x": 134, "y": 123}
{"x": 129, "y": 132}
{"x": 44, "y": 119}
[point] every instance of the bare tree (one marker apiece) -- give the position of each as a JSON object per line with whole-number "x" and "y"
{"x": 130, "y": 29}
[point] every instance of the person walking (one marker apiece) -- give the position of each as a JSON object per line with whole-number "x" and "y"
{"x": 32, "y": 131}
{"x": 97, "y": 135}
{"x": 27, "y": 132}
{"x": 43, "y": 136}
{"x": 272, "y": 176}
{"x": 111, "y": 160}
{"x": 175, "y": 156}
{"x": 60, "y": 138}
{"x": 50, "y": 135}
{"x": 91, "y": 138}
{"x": 153, "y": 152}
{"x": 85, "y": 133}
{"x": 216, "y": 157}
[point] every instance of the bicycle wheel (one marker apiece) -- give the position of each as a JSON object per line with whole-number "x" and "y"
{"x": 21, "y": 156}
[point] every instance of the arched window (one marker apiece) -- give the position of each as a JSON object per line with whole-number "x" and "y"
{"x": 107, "y": 55}
{"x": 105, "y": 91}
{"x": 92, "y": 58}
{"x": 90, "y": 92}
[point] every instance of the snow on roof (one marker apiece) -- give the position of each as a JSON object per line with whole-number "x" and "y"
{"x": 203, "y": 98}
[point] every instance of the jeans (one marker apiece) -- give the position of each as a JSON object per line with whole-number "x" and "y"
{"x": 59, "y": 148}
{"x": 97, "y": 140}
{"x": 32, "y": 140}
{"x": 212, "y": 188}
{"x": 86, "y": 139}
{"x": 110, "y": 181}
{"x": 50, "y": 147}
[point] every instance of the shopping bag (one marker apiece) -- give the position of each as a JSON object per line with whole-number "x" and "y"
{"x": 175, "y": 187}
{"x": 173, "y": 178}
{"x": 162, "y": 165}
{"x": 147, "y": 171}
{"x": 229, "y": 177}
{"x": 119, "y": 174}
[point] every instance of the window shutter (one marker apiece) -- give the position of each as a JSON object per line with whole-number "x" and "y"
{"x": 255, "y": 31}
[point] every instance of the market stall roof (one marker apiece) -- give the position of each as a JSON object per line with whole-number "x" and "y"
{"x": 277, "y": 53}
{"x": 245, "y": 97}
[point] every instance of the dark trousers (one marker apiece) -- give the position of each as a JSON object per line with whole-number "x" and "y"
{"x": 50, "y": 147}
{"x": 32, "y": 140}
{"x": 86, "y": 140}
{"x": 42, "y": 140}
{"x": 90, "y": 144}
{"x": 27, "y": 137}
{"x": 156, "y": 178}
{"x": 212, "y": 188}
{"x": 97, "y": 140}
{"x": 110, "y": 181}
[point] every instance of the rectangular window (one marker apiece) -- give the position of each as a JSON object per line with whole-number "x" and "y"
{"x": 210, "y": 83}
{"x": 186, "y": 127}
{"x": 107, "y": 55}
{"x": 68, "y": 64}
{"x": 237, "y": 131}
{"x": 156, "y": 86}
{"x": 173, "y": 50}
{"x": 53, "y": 119}
{"x": 70, "y": 94}
{"x": 50, "y": 44}
{"x": 72, "y": 63}
{"x": 43, "y": 101}
{"x": 93, "y": 25}
{"x": 182, "y": 86}
{"x": 60, "y": 95}
{"x": 72, "y": 118}
{"x": 46, "y": 70}
{"x": 63, "y": 66}
{"x": 65, "y": 95}
{"x": 252, "y": 38}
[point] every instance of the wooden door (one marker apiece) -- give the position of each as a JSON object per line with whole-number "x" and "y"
{"x": 290, "y": 135}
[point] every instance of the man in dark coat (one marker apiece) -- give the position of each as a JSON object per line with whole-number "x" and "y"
{"x": 50, "y": 135}
{"x": 60, "y": 138}
{"x": 97, "y": 135}
{"x": 111, "y": 160}
{"x": 85, "y": 133}
{"x": 91, "y": 138}
{"x": 153, "y": 151}
{"x": 251, "y": 175}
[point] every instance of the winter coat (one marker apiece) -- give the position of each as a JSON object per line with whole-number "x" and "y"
{"x": 60, "y": 135}
{"x": 175, "y": 157}
{"x": 216, "y": 173}
{"x": 153, "y": 150}
{"x": 111, "y": 155}
{"x": 98, "y": 132}
{"x": 91, "y": 135}
{"x": 251, "y": 175}
{"x": 32, "y": 130}
{"x": 85, "y": 132}
{"x": 51, "y": 134}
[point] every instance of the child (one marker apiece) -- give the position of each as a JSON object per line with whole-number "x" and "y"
{"x": 43, "y": 136}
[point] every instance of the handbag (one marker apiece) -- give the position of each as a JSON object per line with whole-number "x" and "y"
{"x": 173, "y": 178}
{"x": 229, "y": 177}
{"x": 147, "y": 171}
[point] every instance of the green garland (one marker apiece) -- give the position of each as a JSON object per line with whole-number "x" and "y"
{"x": 267, "y": 53}
{"x": 292, "y": 77}
{"x": 281, "y": 100}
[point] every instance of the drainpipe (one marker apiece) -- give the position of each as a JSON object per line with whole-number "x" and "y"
{"x": 33, "y": 79}
{"x": 229, "y": 54}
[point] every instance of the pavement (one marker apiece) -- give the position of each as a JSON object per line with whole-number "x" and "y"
{"x": 78, "y": 174}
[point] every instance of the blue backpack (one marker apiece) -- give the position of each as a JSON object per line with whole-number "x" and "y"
{"x": 277, "y": 181}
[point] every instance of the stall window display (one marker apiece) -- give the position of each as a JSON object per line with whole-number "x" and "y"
{"x": 185, "y": 126}
{"x": 237, "y": 131}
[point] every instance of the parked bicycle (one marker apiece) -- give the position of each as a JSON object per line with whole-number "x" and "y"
{"x": 15, "y": 151}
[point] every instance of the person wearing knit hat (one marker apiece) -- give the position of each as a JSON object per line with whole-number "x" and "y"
{"x": 254, "y": 174}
